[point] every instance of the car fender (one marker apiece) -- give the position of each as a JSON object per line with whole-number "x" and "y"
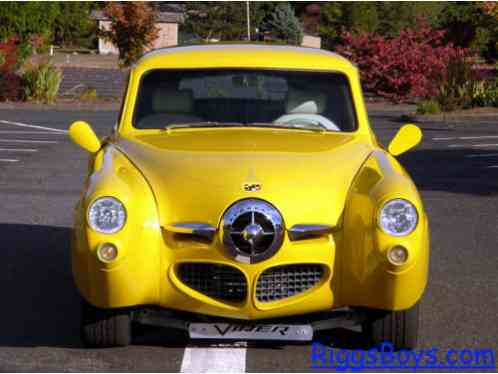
{"x": 368, "y": 279}
{"x": 137, "y": 242}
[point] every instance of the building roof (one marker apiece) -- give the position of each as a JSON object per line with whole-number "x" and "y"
{"x": 163, "y": 17}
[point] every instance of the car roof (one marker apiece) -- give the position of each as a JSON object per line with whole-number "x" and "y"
{"x": 244, "y": 55}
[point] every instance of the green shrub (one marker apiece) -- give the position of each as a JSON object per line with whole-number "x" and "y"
{"x": 428, "y": 107}
{"x": 484, "y": 93}
{"x": 24, "y": 52}
{"x": 455, "y": 86}
{"x": 89, "y": 94}
{"x": 41, "y": 82}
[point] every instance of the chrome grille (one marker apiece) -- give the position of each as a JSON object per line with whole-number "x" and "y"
{"x": 255, "y": 219}
{"x": 253, "y": 230}
{"x": 281, "y": 282}
{"x": 214, "y": 280}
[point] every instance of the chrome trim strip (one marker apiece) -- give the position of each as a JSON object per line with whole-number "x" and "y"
{"x": 305, "y": 231}
{"x": 204, "y": 230}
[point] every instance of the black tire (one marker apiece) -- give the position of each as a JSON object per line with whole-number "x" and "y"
{"x": 398, "y": 328}
{"x": 105, "y": 327}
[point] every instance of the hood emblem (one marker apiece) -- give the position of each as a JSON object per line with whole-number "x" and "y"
{"x": 252, "y": 187}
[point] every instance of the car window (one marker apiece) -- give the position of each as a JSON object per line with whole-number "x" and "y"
{"x": 290, "y": 99}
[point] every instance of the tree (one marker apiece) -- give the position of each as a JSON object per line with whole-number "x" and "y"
{"x": 472, "y": 25}
{"x": 385, "y": 18}
{"x": 396, "y": 16}
{"x": 133, "y": 29}
{"x": 73, "y": 26}
{"x": 24, "y": 18}
{"x": 284, "y": 25}
{"x": 208, "y": 20}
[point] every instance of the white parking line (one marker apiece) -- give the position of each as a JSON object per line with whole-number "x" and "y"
{"x": 214, "y": 360}
{"x": 471, "y": 145}
{"x": 479, "y": 137}
{"x": 467, "y": 137}
{"x": 482, "y": 155}
{"x": 442, "y": 139}
{"x": 28, "y": 141}
{"x": 31, "y": 132}
{"x": 20, "y": 124}
{"x": 18, "y": 150}
{"x": 492, "y": 167}
{"x": 8, "y": 160}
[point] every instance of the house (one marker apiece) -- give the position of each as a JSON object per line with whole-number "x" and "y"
{"x": 168, "y": 21}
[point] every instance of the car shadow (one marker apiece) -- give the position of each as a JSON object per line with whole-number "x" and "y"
{"x": 41, "y": 305}
{"x": 461, "y": 170}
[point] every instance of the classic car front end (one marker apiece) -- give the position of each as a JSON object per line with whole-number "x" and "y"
{"x": 243, "y": 185}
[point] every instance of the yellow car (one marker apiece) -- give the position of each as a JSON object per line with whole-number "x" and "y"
{"x": 243, "y": 195}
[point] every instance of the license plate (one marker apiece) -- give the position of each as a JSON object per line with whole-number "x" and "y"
{"x": 256, "y": 331}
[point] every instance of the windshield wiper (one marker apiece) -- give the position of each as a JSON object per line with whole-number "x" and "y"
{"x": 298, "y": 126}
{"x": 202, "y": 124}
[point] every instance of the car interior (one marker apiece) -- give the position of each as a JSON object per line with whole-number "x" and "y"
{"x": 244, "y": 97}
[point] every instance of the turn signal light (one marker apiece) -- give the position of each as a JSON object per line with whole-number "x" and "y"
{"x": 397, "y": 255}
{"x": 107, "y": 252}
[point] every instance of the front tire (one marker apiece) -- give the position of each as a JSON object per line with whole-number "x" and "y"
{"x": 104, "y": 327}
{"x": 398, "y": 328}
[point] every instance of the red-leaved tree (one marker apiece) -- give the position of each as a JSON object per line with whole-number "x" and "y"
{"x": 133, "y": 28}
{"x": 408, "y": 66}
{"x": 10, "y": 83}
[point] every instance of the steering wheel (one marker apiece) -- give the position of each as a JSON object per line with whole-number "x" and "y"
{"x": 304, "y": 119}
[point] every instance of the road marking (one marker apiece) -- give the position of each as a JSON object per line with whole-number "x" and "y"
{"x": 492, "y": 167}
{"x": 18, "y": 150}
{"x": 439, "y": 139}
{"x": 30, "y": 132}
{"x": 28, "y": 141}
{"x": 20, "y": 124}
{"x": 479, "y": 137}
{"x": 471, "y": 145}
{"x": 483, "y": 155}
{"x": 8, "y": 160}
{"x": 214, "y": 360}
{"x": 467, "y": 137}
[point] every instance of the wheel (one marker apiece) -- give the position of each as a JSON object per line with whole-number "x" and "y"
{"x": 104, "y": 327}
{"x": 398, "y": 328}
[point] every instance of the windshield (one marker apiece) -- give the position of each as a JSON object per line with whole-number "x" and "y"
{"x": 176, "y": 99}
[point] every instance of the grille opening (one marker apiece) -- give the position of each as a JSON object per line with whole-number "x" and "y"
{"x": 282, "y": 282}
{"x": 217, "y": 281}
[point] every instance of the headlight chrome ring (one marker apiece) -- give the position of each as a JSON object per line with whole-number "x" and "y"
{"x": 106, "y": 215}
{"x": 398, "y": 217}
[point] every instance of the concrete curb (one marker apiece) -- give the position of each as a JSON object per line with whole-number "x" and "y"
{"x": 448, "y": 117}
{"x": 63, "y": 106}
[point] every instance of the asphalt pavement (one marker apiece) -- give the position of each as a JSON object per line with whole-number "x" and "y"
{"x": 41, "y": 175}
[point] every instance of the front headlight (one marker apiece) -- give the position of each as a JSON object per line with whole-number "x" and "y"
{"x": 106, "y": 215}
{"x": 398, "y": 217}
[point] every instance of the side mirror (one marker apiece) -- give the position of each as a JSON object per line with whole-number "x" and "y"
{"x": 82, "y": 134}
{"x": 405, "y": 139}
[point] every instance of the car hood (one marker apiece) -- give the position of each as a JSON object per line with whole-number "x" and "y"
{"x": 196, "y": 174}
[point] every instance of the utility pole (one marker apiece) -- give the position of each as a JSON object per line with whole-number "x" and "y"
{"x": 248, "y": 21}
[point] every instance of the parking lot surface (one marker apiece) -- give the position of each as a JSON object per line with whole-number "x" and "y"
{"x": 41, "y": 175}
